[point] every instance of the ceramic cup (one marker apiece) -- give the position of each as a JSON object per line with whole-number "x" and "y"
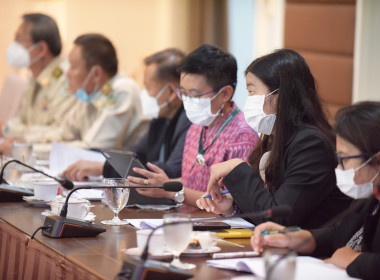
{"x": 156, "y": 244}
{"x": 77, "y": 208}
{"x": 45, "y": 190}
{"x": 205, "y": 238}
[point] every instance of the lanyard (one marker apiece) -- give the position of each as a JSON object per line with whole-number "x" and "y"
{"x": 200, "y": 158}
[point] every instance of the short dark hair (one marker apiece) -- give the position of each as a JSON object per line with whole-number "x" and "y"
{"x": 167, "y": 61}
{"x": 45, "y": 29}
{"x": 98, "y": 50}
{"x": 359, "y": 124}
{"x": 219, "y": 67}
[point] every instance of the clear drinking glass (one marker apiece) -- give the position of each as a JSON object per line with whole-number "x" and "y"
{"x": 177, "y": 236}
{"x": 116, "y": 199}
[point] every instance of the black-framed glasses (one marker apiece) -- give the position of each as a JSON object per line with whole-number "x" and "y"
{"x": 341, "y": 159}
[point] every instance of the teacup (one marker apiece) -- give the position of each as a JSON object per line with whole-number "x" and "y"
{"x": 206, "y": 239}
{"x": 45, "y": 190}
{"x": 77, "y": 208}
{"x": 156, "y": 243}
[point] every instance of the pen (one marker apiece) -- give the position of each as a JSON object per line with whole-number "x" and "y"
{"x": 222, "y": 192}
{"x": 285, "y": 230}
{"x": 235, "y": 255}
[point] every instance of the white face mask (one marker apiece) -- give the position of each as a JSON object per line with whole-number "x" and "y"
{"x": 18, "y": 56}
{"x": 255, "y": 116}
{"x": 150, "y": 105}
{"x": 198, "y": 110}
{"x": 346, "y": 184}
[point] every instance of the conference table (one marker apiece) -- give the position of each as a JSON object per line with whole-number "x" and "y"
{"x": 98, "y": 257}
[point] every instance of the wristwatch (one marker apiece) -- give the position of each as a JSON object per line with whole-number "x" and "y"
{"x": 179, "y": 197}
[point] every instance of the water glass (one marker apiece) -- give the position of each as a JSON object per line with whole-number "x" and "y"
{"x": 116, "y": 199}
{"x": 177, "y": 232}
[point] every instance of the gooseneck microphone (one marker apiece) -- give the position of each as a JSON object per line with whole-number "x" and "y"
{"x": 134, "y": 269}
{"x": 66, "y": 183}
{"x": 60, "y": 226}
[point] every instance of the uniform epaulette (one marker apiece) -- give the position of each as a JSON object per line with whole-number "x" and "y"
{"x": 106, "y": 89}
{"x": 57, "y": 72}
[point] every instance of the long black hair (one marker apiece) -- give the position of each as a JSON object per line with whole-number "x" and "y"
{"x": 298, "y": 106}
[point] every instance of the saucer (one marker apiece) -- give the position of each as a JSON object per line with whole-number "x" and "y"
{"x": 89, "y": 218}
{"x": 137, "y": 252}
{"x": 200, "y": 252}
{"x": 32, "y": 200}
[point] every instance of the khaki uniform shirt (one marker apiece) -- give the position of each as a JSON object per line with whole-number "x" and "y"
{"x": 112, "y": 119}
{"x": 44, "y": 104}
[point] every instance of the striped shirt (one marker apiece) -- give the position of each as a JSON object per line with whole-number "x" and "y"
{"x": 236, "y": 140}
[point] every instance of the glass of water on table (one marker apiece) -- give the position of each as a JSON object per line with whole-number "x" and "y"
{"x": 177, "y": 232}
{"x": 116, "y": 199}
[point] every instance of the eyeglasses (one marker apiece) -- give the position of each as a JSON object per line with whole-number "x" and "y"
{"x": 341, "y": 159}
{"x": 181, "y": 92}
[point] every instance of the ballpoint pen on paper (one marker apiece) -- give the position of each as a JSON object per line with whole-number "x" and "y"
{"x": 235, "y": 255}
{"x": 285, "y": 230}
{"x": 222, "y": 192}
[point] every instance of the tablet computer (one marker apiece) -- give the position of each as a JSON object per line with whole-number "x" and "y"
{"x": 124, "y": 162}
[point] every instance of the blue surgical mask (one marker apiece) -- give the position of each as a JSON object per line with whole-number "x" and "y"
{"x": 82, "y": 94}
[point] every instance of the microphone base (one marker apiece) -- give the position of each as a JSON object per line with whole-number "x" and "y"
{"x": 137, "y": 269}
{"x": 60, "y": 227}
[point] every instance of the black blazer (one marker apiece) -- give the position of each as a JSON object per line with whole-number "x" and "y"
{"x": 309, "y": 185}
{"x": 367, "y": 265}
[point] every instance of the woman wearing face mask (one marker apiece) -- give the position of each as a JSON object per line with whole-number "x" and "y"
{"x": 354, "y": 242}
{"x": 294, "y": 163}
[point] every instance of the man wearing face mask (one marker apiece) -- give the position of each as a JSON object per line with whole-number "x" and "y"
{"x": 37, "y": 46}
{"x": 219, "y": 131}
{"x": 164, "y": 141}
{"x": 109, "y": 113}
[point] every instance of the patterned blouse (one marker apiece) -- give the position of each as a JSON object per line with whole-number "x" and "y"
{"x": 236, "y": 140}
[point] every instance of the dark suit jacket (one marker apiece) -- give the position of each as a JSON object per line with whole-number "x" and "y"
{"x": 309, "y": 185}
{"x": 170, "y": 133}
{"x": 367, "y": 265}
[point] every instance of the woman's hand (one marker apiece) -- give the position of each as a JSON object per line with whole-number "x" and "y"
{"x": 302, "y": 241}
{"x": 154, "y": 178}
{"x": 80, "y": 170}
{"x": 225, "y": 206}
{"x": 343, "y": 257}
{"x": 275, "y": 240}
{"x": 218, "y": 172}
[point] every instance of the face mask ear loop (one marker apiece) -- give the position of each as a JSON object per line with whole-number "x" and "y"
{"x": 221, "y": 107}
{"x": 87, "y": 78}
{"x": 364, "y": 163}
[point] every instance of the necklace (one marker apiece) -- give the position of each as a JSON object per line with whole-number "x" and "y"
{"x": 200, "y": 157}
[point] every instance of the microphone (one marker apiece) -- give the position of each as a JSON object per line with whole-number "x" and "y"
{"x": 60, "y": 226}
{"x": 66, "y": 183}
{"x": 141, "y": 268}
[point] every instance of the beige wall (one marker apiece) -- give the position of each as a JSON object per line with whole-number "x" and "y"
{"x": 136, "y": 27}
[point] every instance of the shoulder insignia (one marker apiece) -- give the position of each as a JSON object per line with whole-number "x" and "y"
{"x": 57, "y": 72}
{"x": 45, "y": 81}
{"x": 106, "y": 89}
